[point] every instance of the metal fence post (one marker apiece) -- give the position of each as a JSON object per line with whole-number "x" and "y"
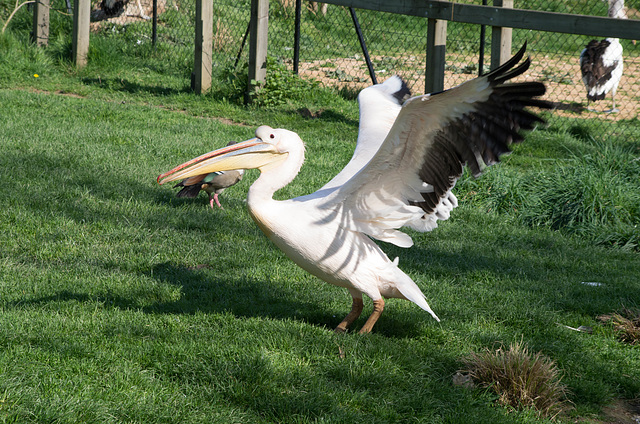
{"x": 204, "y": 46}
{"x": 436, "y": 50}
{"x": 501, "y": 38}
{"x": 81, "y": 21}
{"x": 258, "y": 44}
{"x": 296, "y": 37}
{"x": 41, "y": 22}
{"x": 483, "y": 32}
{"x": 363, "y": 45}
{"x": 154, "y": 23}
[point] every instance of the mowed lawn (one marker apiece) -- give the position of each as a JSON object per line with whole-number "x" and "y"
{"x": 120, "y": 303}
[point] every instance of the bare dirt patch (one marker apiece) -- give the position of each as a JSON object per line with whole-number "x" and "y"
{"x": 561, "y": 75}
{"x": 619, "y": 412}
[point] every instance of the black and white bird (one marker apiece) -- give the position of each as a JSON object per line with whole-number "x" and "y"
{"x": 601, "y": 62}
{"x": 408, "y": 157}
{"x": 113, "y": 8}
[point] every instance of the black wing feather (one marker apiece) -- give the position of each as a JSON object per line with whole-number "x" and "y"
{"x": 479, "y": 138}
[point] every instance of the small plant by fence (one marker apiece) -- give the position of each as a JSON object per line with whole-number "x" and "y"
{"x": 331, "y": 40}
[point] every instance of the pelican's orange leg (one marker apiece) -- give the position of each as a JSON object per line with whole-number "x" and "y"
{"x": 356, "y": 310}
{"x": 378, "y": 307}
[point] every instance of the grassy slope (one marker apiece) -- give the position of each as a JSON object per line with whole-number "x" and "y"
{"x": 122, "y": 303}
{"x": 106, "y": 315}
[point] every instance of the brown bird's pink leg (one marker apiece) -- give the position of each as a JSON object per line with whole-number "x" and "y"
{"x": 356, "y": 310}
{"x": 378, "y": 307}
{"x": 214, "y": 198}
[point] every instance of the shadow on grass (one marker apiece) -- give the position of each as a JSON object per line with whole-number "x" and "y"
{"x": 205, "y": 291}
{"x": 81, "y": 190}
{"x": 127, "y": 86}
{"x": 533, "y": 265}
{"x": 326, "y": 116}
{"x": 209, "y": 291}
{"x": 202, "y": 291}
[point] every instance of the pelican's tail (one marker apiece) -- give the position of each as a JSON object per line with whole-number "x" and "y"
{"x": 412, "y": 292}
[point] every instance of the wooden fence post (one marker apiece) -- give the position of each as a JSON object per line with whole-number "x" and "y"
{"x": 436, "y": 50}
{"x": 41, "y": 22}
{"x": 258, "y": 44}
{"x": 501, "y": 38}
{"x": 81, "y": 15}
{"x": 204, "y": 46}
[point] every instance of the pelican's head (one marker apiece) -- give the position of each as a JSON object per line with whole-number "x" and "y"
{"x": 267, "y": 150}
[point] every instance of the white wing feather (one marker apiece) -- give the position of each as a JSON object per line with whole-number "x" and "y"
{"x": 378, "y": 111}
{"x": 380, "y": 106}
{"x": 376, "y": 199}
{"x": 407, "y": 181}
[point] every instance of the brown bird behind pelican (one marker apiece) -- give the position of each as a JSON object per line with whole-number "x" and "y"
{"x": 213, "y": 183}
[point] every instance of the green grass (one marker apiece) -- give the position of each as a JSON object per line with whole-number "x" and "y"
{"x": 121, "y": 303}
{"x": 591, "y": 190}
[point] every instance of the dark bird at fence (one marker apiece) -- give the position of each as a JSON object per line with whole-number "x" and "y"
{"x": 213, "y": 183}
{"x": 113, "y": 8}
{"x": 601, "y": 62}
{"x": 409, "y": 154}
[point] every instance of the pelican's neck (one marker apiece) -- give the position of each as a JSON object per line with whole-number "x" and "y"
{"x": 275, "y": 178}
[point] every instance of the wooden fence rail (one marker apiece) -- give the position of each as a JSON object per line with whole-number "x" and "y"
{"x": 501, "y": 16}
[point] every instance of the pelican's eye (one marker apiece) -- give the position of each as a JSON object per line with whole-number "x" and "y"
{"x": 272, "y": 136}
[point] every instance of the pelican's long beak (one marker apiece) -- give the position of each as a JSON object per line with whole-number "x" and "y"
{"x": 250, "y": 154}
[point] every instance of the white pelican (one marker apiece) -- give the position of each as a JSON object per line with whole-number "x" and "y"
{"x": 601, "y": 62}
{"x": 213, "y": 183}
{"x": 408, "y": 157}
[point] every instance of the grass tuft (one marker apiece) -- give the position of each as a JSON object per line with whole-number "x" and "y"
{"x": 519, "y": 379}
{"x": 626, "y": 324}
{"x": 593, "y": 193}
{"x": 280, "y": 86}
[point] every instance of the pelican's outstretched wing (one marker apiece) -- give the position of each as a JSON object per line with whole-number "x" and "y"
{"x": 423, "y": 155}
{"x": 379, "y": 105}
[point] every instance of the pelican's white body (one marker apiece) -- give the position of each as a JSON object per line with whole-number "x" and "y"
{"x": 327, "y": 233}
{"x": 408, "y": 156}
{"x": 315, "y": 239}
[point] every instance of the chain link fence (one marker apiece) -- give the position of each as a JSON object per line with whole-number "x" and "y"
{"x": 331, "y": 53}
{"x": 174, "y": 28}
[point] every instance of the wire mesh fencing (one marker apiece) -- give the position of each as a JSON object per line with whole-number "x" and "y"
{"x": 330, "y": 53}
{"x": 332, "y": 37}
